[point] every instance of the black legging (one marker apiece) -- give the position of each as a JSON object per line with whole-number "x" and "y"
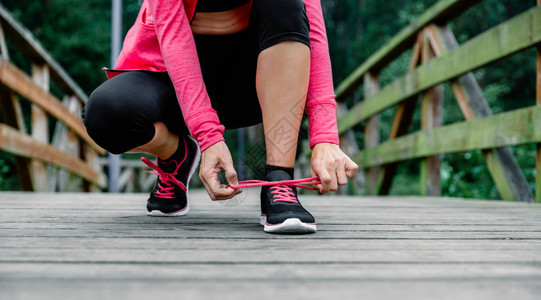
{"x": 120, "y": 113}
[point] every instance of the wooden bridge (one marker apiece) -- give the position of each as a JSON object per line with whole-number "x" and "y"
{"x": 103, "y": 246}
{"x": 97, "y": 245}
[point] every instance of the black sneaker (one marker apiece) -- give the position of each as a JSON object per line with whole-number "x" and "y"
{"x": 170, "y": 195}
{"x": 281, "y": 211}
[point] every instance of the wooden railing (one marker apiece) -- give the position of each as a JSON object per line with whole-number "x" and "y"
{"x": 64, "y": 158}
{"x": 67, "y": 159}
{"x": 438, "y": 58}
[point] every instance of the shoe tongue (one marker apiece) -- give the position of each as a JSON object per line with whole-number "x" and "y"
{"x": 167, "y": 166}
{"x": 277, "y": 175}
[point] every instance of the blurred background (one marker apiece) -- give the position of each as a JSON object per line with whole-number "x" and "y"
{"x": 77, "y": 34}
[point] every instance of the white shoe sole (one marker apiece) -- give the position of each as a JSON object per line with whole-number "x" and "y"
{"x": 292, "y": 225}
{"x": 157, "y": 213}
{"x": 183, "y": 212}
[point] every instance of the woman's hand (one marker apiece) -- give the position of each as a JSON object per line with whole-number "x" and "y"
{"x": 213, "y": 160}
{"x": 332, "y": 166}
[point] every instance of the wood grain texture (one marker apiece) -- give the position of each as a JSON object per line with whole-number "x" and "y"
{"x": 40, "y": 126}
{"x": 20, "y": 144}
{"x": 517, "y": 127}
{"x": 23, "y": 85}
{"x": 371, "y": 134}
{"x": 94, "y": 246}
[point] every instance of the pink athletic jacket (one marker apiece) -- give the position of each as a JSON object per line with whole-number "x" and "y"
{"x": 161, "y": 40}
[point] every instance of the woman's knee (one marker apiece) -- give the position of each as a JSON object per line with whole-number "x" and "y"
{"x": 279, "y": 21}
{"x": 116, "y": 120}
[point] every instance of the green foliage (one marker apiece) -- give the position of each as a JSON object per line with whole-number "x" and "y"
{"x": 9, "y": 179}
{"x": 357, "y": 28}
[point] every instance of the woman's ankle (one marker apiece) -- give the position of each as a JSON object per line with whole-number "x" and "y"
{"x": 270, "y": 168}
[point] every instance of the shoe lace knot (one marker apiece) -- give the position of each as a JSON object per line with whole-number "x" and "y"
{"x": 166, "y": 181}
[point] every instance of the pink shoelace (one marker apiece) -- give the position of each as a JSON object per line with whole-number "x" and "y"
{"x": 281, "y": 190}
{"x": 165, "y": 187}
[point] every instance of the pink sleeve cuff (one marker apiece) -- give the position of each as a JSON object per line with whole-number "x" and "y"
{"x": 205, "y": 127}
{"x": 322, "y": 121}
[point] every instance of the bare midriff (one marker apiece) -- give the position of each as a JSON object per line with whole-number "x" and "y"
{"x": 222, "y": 22}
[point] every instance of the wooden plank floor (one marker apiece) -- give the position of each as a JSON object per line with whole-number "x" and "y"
{"x": 102, "y": 246}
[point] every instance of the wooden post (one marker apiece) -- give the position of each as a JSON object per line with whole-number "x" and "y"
{"x": 59, "y": 141}
{"x": 74, "y": 149}
{"x": 40, "y": 126}
{"x": 371, "y": 136}
{"x": 401, "y": 122}
{"x": 66, "y": 141}
{"x": 503, "y": 168}
{"x": 13, "y": 117}
{"x": 431, "y": 107}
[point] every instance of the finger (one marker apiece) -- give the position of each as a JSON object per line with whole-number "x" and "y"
{"x": 341, "y": 176}
{"x": 333, "y": 186}
{"x": 351, "y": 168}
{"x": 226, "y": 192}
{"x": 207, "y": 187}
{"x": 219, "y": 190}
{"x": 314, "y": 174}
{"x": 215, "y": 189}
{"x": 231, "y": 175}
{"x": 332, "y": 169}
{"x": 325, "y": 179}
